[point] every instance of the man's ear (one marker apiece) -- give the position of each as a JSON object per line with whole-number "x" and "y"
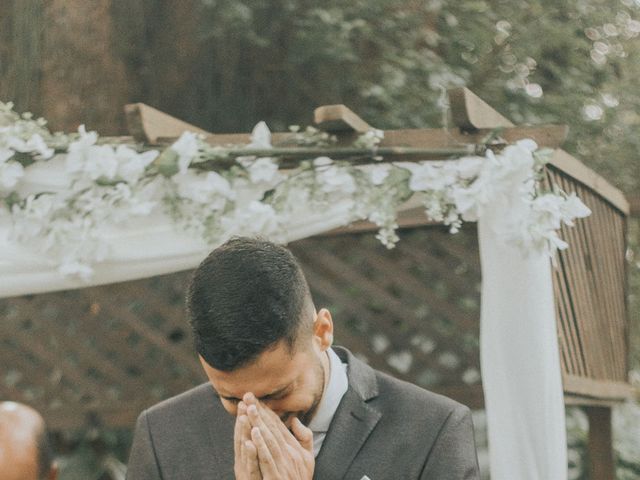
{"x": 323, "y": 329}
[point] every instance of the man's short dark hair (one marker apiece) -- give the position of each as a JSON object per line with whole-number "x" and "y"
{"x": 245, "y": 297}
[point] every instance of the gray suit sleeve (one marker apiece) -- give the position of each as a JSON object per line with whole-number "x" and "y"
{"x": 143, "y": 464}
{"x": 453, "y": 456}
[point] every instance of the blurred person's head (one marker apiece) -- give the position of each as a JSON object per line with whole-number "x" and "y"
{"x": 25, "y": 452}
{"x": 256, "y": 328}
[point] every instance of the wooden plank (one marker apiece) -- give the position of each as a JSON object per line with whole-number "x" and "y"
{"x": 609, "y": 284}
{"x": 602, "y": 389}
{"x": 567, "y": 283}
{"x": 45, "y": 355}
{"x": 593, "y": 271}
{"x": 114, "y": 338}
{"x": 331, "y": 286}
{"x": 470, "y": 112}
{"x": 579, "y": 400}
{"x": 574, "y": 168}
{"x": 570, "y": 363}
{"x": 389, "y": 273}
{"x": 634, "y": 205}
{"x": 415, "y": 217}
{"x": 575, "y": 341}
{"x": 339, "y": 118}
{"x": 583, "y": 299}
{"x": 155, "y": 338}
{"x": 337, "y": 267}
{"x": 600, "y": 444}
{"x": 544, "y": 136}
{"x": 89, "y": 356}
{"x": 549, "y": 136}
{"x": 35, "y": 372}
{"x": 146, "y": 124}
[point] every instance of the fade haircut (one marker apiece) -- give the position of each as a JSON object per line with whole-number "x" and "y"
{"x": 244, "y": 298}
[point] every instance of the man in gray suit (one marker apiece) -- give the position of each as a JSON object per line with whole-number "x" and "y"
{"x": 281, "y": 402}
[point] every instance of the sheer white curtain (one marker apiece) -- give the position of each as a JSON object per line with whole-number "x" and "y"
{"x": 520, "y": 357}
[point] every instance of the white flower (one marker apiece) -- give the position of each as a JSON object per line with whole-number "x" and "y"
{"x": 10, "y": 173}
{"x": 131, "y": 164}
{"x": 90, "y": 160}
{"x": 260, "y": 136}
{"x": 573, "y": 208}
{"x": 468, "y": 167}
{"x": 255, "y": 218}
{"x": 426, "y": 176}
{"x": 76, "y": 268}
{"x": 32, "y": 219}
{"x": 102, "y": 162}
{"x": 263, "y": 170}
{"x": 513, "y": 167}
{"x": 336, "y": 179}
{"x": 378, "y": 173}
{"x": 322, "y": 162}
{"x": 35, "y": 144}
{"x": 370, "y": 139}
{"x": 5, "y": 154}
{"x": 187, "y": 148}
{"x": 211, "y": 188}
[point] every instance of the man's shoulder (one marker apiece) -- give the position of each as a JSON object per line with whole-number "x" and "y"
{"x": 408, "y": 397}
{"x": 392, "y": 394}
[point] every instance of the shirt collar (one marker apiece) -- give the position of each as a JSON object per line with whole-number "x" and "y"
{"x": 333, "y": 393}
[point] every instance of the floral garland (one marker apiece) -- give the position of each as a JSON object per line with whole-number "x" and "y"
{"x": 107, "y": 184}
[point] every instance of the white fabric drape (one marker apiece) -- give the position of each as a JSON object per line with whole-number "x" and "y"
{"x": 153, "y": 246}
{"x": 519, "y": 357}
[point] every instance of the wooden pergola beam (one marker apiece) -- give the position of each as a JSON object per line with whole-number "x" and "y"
{"x": 576, "y": 169}
{"x": 470, "y": 112}
{"x": 148, "y": 125}
{"x": 634, "y": 205}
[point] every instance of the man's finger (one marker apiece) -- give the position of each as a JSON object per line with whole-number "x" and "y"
{"x": 274, "y": 423}
{"x": 237, "y": 437}
{"x": 250, "y": 460}
{"x": 270, "y": 439}
{"x": 265, "y": 459}
{"x": 303, "y": 434}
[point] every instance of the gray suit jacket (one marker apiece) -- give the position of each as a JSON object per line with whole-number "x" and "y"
{"x": 384, "y": 428}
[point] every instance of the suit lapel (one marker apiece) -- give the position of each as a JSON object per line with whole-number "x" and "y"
{"x": 352, "y": 423}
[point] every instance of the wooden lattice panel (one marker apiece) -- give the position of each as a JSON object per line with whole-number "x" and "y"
{"x": 102, "y": 354}
{"x": 412, "y": 311}
{"x": 99, "y": 354}
{"x": 590, "y": 291}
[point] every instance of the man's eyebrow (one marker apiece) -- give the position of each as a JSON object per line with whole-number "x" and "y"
{"x": 263, "y": 397}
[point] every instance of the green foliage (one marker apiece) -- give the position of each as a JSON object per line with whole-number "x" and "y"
{"x": 541, "y": 61}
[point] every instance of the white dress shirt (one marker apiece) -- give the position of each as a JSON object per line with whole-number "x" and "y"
{"x": 333, "y": 393}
